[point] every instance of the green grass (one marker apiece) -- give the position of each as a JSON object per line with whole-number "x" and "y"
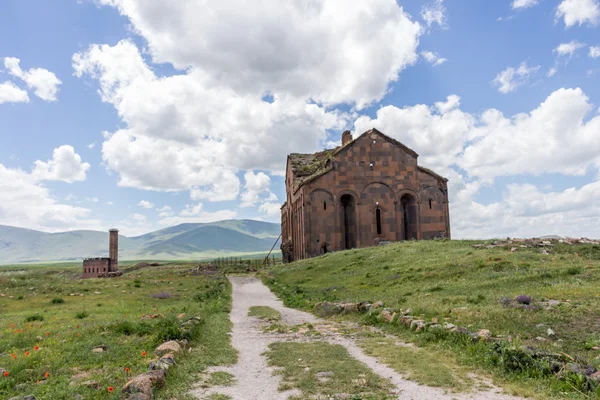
{"x": 323, "y": 369}
{"x": 108, "y": 312}
{"x": 461, "y": 285}
{"x": 220, "y": 378}
{"x": 439, "y": 370}
{"x": 264, "y": 312}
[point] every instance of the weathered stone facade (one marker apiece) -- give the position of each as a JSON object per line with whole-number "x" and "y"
{"x": 368, "y": 191}
{"x": 104, "y": 267}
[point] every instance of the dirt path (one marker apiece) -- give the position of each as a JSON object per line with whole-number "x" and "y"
{"x": 255, "y": 380}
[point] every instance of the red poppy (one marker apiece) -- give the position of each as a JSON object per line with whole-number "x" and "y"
{"x": 13, "y": 355}
{"x": 127, "y": 369}
{"x": 110, "y": 389}
{"x": 36, "y": 348}
{"x": 5, "y": 374}
{"x": 47, "y": 333}
{"x": 143, "y": 354}
{"x": 27, "y": 353}
{"x": 47, "y": 374}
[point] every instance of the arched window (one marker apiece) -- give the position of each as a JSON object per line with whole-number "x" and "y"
{"x": 324, "y": 205}
{"x": 430, "y": 201}
{"x": 378, "y": 218}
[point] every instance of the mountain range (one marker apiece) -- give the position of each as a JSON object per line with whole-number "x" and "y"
{"x": 184, "y": 241}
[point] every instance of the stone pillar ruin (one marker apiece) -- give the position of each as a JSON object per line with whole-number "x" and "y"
{"x": 113, "y": 250}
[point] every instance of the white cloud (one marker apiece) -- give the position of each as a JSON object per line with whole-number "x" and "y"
{"x": 70, "y": 197}
{"x": 26, "y": 203}
{"x": 551, "y": 72}
{"x": 65, "y": 165}
{"x": 92, "y": 199}
{"x": 511, "y": 78}
{"x": 165, "y": 211}
{"x": 139, "y": 217}
{"x": 553, "y": 138}
{"x": 434, "y": 13}
{"x": 194, "y": 214}
{"x": 191, "y": 211}
{"x": 594, "y": 51}
{"x": 11, "y": 93}
{"x": 433, "y": 58}
{"x": 579, "y": 12}
{"x": 145, "y": 204}
{"x": 91, "y": 145}
{"x": 271, "y": 209}
{"x": 569, "y": 49}
{"x": 43, "y": 82}
{"x": 280, "y": 56}
{"x": 256, "y": 184}
{"x": 522, "y": 4}
{"x": 109, "y": 203}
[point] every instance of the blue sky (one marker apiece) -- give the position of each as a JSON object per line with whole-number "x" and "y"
{"x": 118, "y": 113}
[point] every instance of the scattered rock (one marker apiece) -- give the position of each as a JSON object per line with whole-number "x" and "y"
{"x": 387, "y": 316}
{"x": 484, "y": 334}
{"x": 378, "y": 304}
{"x": 550, "y": 332}
{"x": 30, "y": 397}
{"x": 523, "y": 299}
{"x": 141, "y": 387}
{"x": 168, "y": 347}
{"x": 99, "y": 349}
{"x": 324, "y": 374}
{"x": 91, "y": 384}
{"x": 540, "y": 339}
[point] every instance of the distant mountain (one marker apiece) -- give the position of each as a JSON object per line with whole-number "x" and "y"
{"x": 184, "y": 241}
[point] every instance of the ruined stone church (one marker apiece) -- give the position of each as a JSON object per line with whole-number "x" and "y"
{"x": 366, "y": 192}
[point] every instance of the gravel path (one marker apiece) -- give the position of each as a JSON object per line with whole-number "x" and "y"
{"x": 255, "y": 380}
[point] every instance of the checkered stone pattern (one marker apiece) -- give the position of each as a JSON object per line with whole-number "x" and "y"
{"x": 339, "y": 206}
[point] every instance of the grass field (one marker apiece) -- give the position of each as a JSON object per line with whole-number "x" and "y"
{"x": 50, "y": 321}
{"x": 471, "y": 288}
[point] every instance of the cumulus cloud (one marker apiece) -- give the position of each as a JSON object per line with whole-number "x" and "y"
{"x": 145, "y": 204}
{"x": 280, "y": 56}
{"x": 255, "y": 185}
{"x": 26, "y": 202}
{"x": 139, "y": 217}
{"x": 511, "y": 78}
{"x": 11, "y": 93}
{"x": 195, "y": 214}
{"x": 43, "y": 82}
{"x": 594, "y": 51}
{"x": 579, "y": 12}
{"x": 434, "y": 13}
{"x": 165, "y": 211}
{"x": 523, "y": 4}
{"x": 568, "y": 49}
{"x": 65, "y": 165}
{"x": 433, "y": 58}
{"x": 551, "y": 72}
{"x": 270, "y": 209}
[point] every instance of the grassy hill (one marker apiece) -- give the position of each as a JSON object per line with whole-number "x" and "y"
{"x": 475, "y": 289}
{"x": 184, "y": 241}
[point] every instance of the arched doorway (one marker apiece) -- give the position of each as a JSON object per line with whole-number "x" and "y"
{"x": 408, "y": 211}
{"x": 348, "y": 221}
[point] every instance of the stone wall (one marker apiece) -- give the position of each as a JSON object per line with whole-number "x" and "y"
{"x": 372, "y": 191}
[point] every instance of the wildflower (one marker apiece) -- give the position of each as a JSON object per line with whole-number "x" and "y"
{"x": 127, "y": 369}
{"x": 36, "y": 348}
{"x": 5, "y": 374}
{"x": 27, "y": 353}
{"x": 110, "y": 389}
{"x": 47, "y": 375}
{"x": 14, "y": 356}
{"x": 47, "y": 333}
{"x": 143, "y": 354}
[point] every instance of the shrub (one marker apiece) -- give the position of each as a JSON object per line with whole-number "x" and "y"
{"x": 129, "y": 328}
{"x": 523, "y": 299}
{"x": 81, "y": 315}
{"x": 574, "y": 270}
{"x": 34, "y": 317}
{"x": 20, "y": 298}
{"x": 169, "y": 329}
{"x": 58, "y": 300}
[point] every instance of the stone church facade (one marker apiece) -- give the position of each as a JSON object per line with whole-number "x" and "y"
{"x": 368, "y": 191}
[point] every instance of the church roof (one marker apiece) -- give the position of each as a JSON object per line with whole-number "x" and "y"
{"x": 306, "y": 167}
